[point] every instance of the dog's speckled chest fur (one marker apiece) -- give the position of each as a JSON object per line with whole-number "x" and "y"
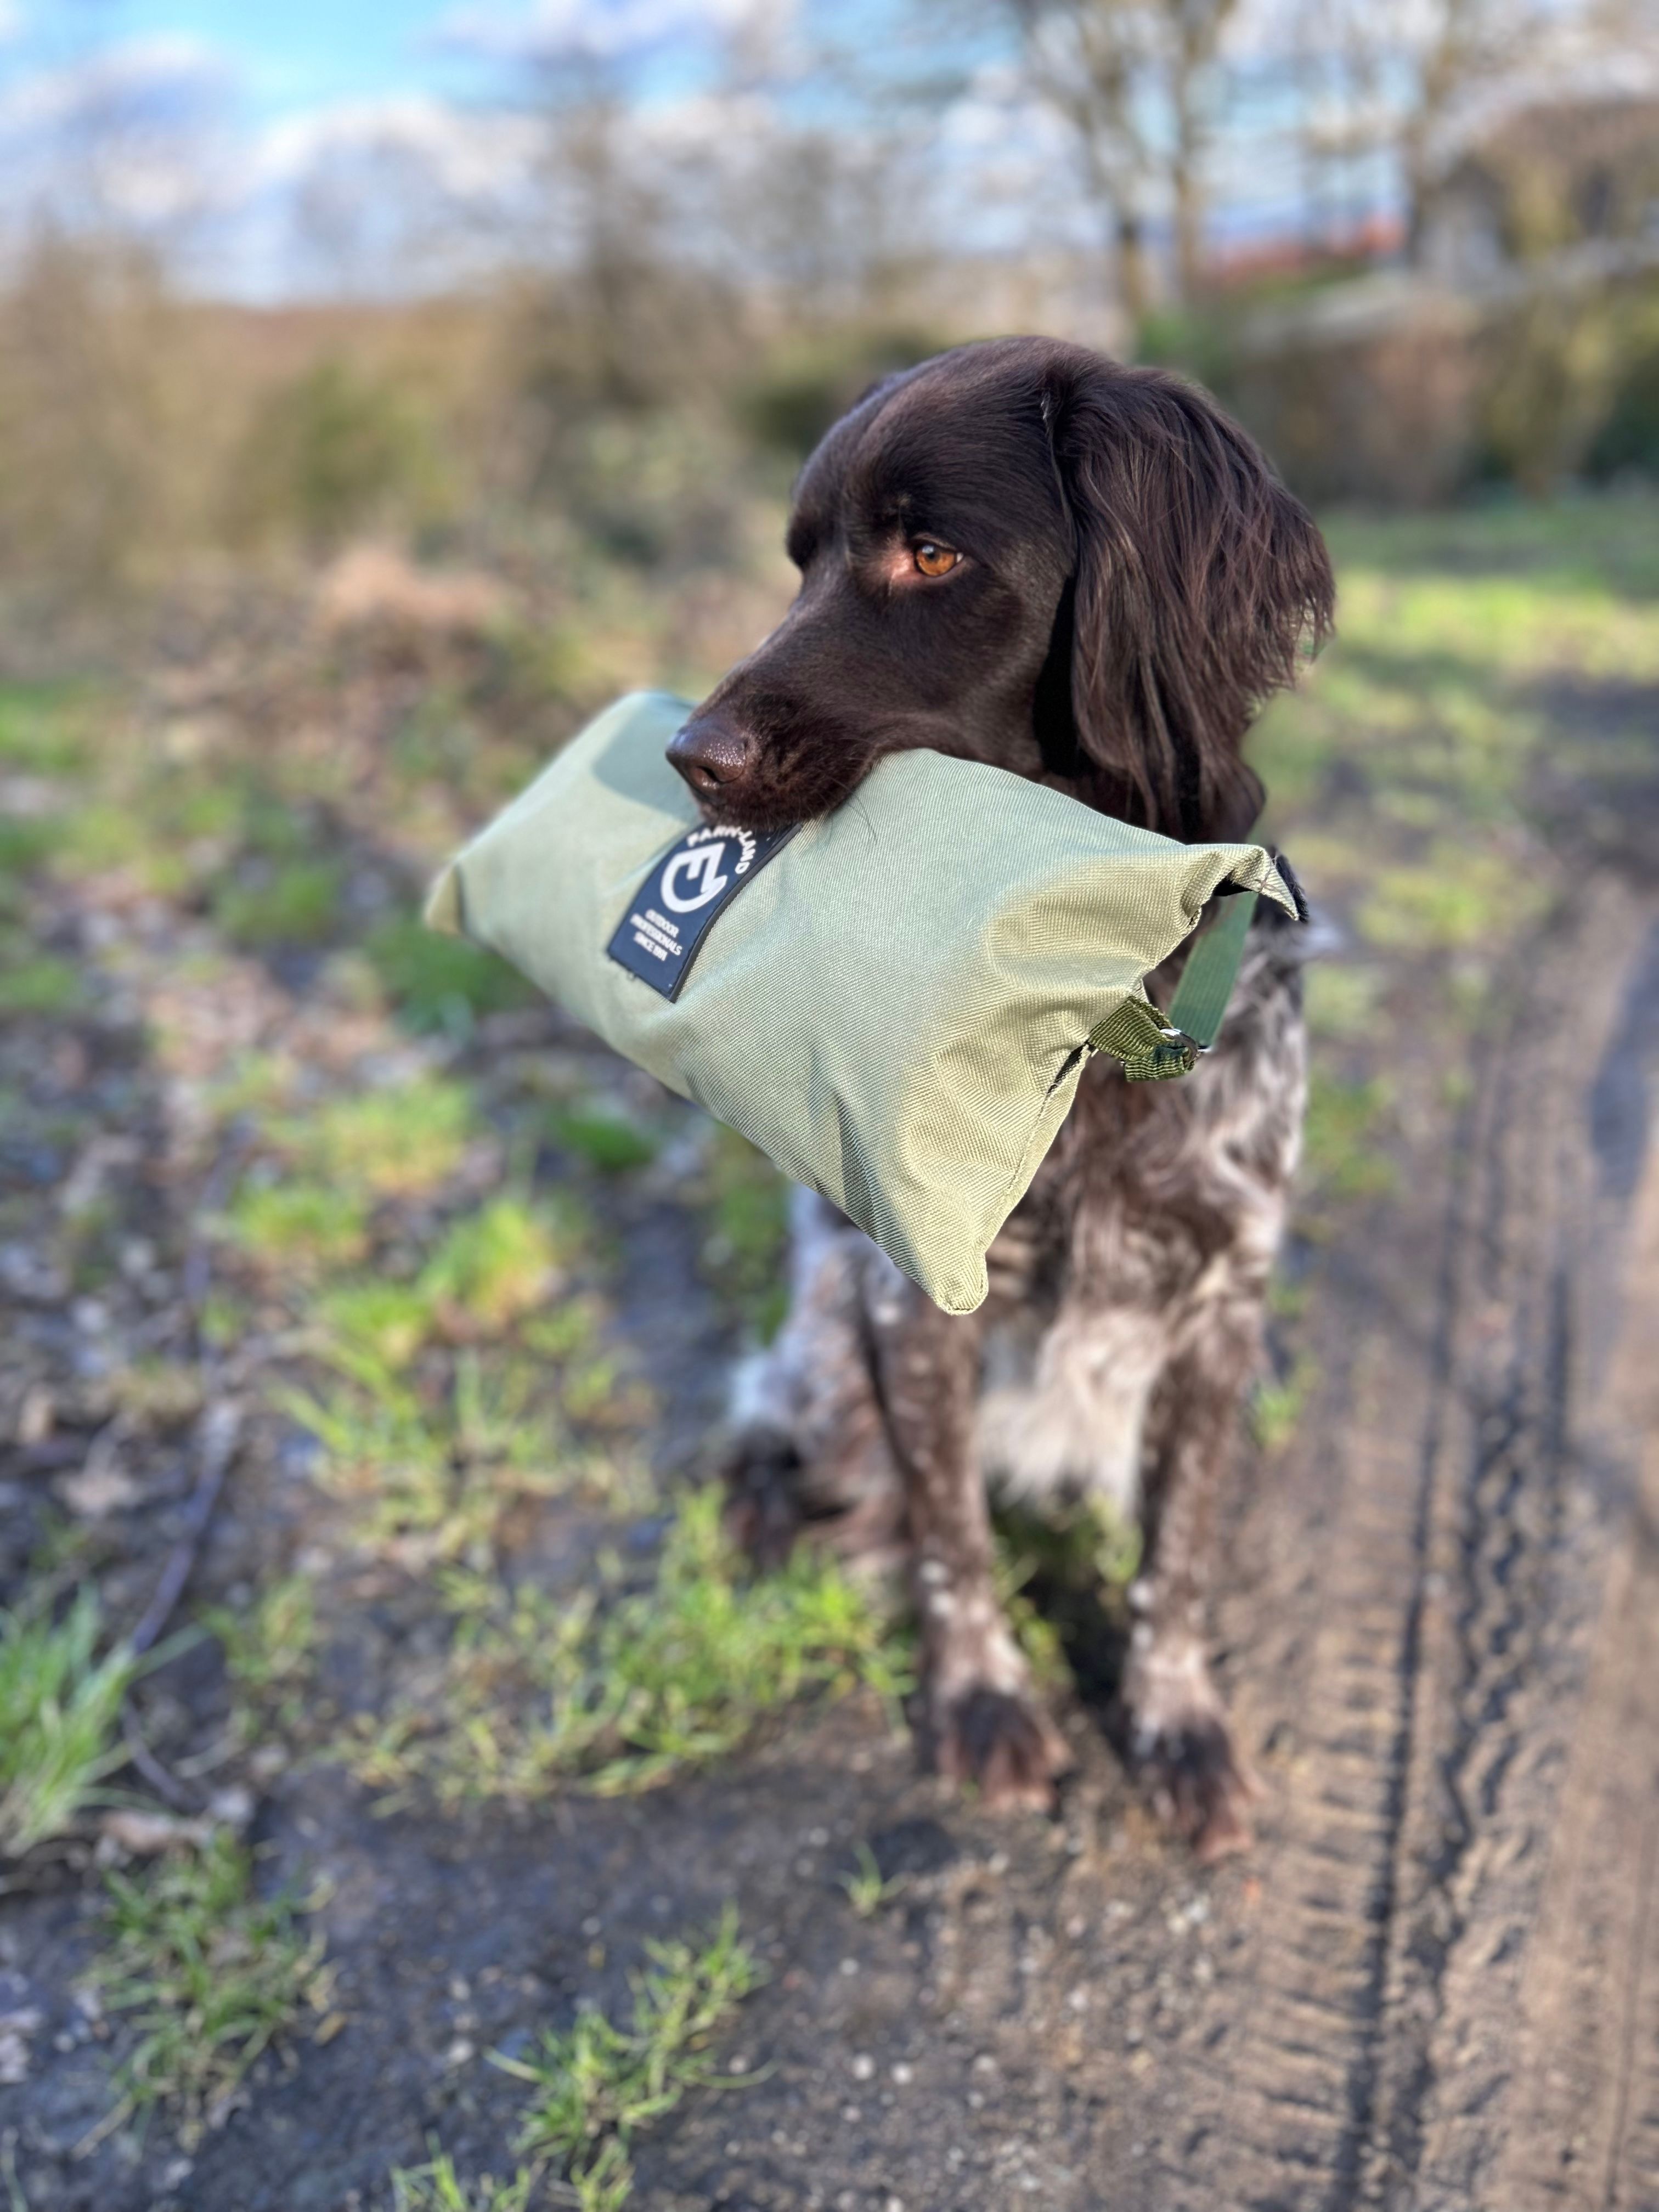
{"x": 1159, "y": 1210}
{"x": 1149, "y": 1230}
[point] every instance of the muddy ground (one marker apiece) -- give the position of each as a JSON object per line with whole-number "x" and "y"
{"x": 1435, "y": 1982}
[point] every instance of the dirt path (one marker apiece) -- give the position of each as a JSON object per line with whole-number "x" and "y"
{"x": 1434, "y": 1984}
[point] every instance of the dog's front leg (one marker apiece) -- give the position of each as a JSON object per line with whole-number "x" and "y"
{"x": 984, "y": 1722}
{"x": 1180, "y": 1738}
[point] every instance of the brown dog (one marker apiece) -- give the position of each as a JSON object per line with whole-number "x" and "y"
{"x": 1024, "y": 553}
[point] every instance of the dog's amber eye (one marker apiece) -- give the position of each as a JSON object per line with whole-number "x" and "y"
{"x": 934, "y": 559}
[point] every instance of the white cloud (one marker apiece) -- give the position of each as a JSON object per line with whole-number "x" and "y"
{"x": 470, "y": 152}
{"x": 609, "y": 30}
{"x": 11, "y": 21}
{"x": 135, "y": 134}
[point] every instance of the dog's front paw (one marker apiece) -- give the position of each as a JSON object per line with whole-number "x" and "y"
{"x": 1004, "y": 1743}
{"x": 1184, "y": 1753}
{"x": 762, "y": 1470}
{"x": 1200, "y": 1787}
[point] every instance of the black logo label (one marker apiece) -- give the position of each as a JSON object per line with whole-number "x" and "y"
{"x": 657, "y": 938}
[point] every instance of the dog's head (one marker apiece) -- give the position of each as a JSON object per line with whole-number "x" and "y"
{"x": 1021, "y": 552}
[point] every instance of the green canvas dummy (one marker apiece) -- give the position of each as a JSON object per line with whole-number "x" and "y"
{"x": 895, "y": 1002}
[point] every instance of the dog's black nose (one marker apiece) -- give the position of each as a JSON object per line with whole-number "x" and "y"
{"x": 711, "y": 753}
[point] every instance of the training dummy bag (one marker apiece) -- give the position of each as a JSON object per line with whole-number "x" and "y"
{"x": 895, "y": 1002}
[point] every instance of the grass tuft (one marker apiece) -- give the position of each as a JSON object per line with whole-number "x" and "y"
{"x": 617, "y": 1690}
{"x": 867, "y": 1889}
{"x": 604, "y": 1140}
{"x": 305, "y": 1226}
{"x": 493, "y": 1267}
{"x": 441, "y": 983}
{"x": 211, "y": 1975}
{"x": 436, "y": 2187}
{"x": 400, "y": 1142}
{"x": 37, "y": 982}
{"x": 596, "y": 2083}
{"x": 293, "y": 904}
{"x": 59, "y": 1705}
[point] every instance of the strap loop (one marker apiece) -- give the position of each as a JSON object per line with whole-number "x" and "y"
{"x": 1151, "y": 1048}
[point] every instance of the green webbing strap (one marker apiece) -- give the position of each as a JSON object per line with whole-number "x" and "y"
{"x": 1154, "y": 1046}
{"x": 1207, "y": 981}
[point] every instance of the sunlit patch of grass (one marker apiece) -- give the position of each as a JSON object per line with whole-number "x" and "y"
{"x": 300, "y": 1226}
{"x": 746, "y": 1205}
{"x": 43, "y": 727}
{"x": 1343, "y": 1001}
{"x": 294, "y": 904}
{"x": 597, "y": 2082}
{"x": 493, "y": 1265}
{"x": 26, "y": 841}
{"x": 1458, "y": 899}
{"x": 1278, "y": 1405}
{"x": 109, "y": 835}
{"x": 37, "y": 982}
{"x": 441, "y": 983}
{"x": 430, "y": 1481}
{"x": 268, "y": 1646}
{"x": 59, "y": 1705}
{"x": 615, "y": 1689}
{"x": 398, "y": 1142}
{"x": 1341, "y": 1158}
{"x": 388, "y": 1322}
{"x": 211, "y": 1975}
{"x": 606, "y": 1140}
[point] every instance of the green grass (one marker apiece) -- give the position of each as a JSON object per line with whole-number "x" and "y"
{"x": 293, "y": 904}
{"x": 402, "y": 1141}
{"x": 1341, "y": 1158}
{"x": 269, "y": 1645}
{"x": 603, "y": 1139}
{"x": 1454, "y": 900}
{"x": 210, "y": 1975}
{"x": 614, "y": 1689}
{"x": 494, "y": 1266}
{"x": 441, "y": 983}
{"x": 1344, "y": 1002}
{"x": 436, "y": 2187}
{"x": 37, "y": 982}
{"x": 43, "y": 727}
{"x": 597, "y": 2082}
{"x": 434, "y": 1474}
{"x": 307, "y": 1227}
{"x": 387, "y": 1323}
{"x": 1276, "y": 1407}
{"x": 867, "y": 1889}
{"x": 59, "y": 1707}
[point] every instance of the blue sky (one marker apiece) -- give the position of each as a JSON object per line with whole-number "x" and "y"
{"x": 309, "y": 55}
{"x": 304, "y": 52}
{"x": 281, "y": 88}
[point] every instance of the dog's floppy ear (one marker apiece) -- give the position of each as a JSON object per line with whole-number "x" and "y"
{"x": 1198, "y": 578}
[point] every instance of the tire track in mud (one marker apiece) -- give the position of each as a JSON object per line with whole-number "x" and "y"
{"x": 1427, "y": 1661}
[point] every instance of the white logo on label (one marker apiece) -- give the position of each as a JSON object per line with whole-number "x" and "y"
{"x": 703, "y": 867}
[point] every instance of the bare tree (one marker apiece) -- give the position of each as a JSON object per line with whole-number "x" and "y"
{"x": 1136, "y": 81}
